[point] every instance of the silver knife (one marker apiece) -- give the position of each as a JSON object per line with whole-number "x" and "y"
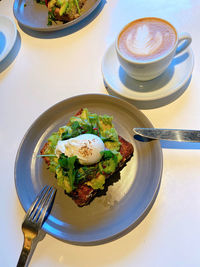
{"x": 169, "y": 134}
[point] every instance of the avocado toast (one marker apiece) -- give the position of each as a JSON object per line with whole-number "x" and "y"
{"x": 83, "y": 177}
{"x": 63, "y": 10}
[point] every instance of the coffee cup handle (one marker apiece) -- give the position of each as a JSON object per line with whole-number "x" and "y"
{"x": 184, "y": 41}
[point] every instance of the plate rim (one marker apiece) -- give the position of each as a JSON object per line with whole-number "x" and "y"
{"x": 140, "y": 217}
{"x": 140, "y": 99}
{"x": 58, "y": 27}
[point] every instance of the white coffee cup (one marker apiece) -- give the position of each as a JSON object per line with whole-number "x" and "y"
{"x": 145, "y": 47}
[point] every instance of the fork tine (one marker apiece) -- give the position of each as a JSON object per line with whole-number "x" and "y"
{"x": 31, "y": 209}
{"x": 45, "y": 204}
{"x": 39, "y": 202}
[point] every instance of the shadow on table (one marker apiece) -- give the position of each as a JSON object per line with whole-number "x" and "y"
{"x": 155, "y": 84}
{"x": 179, "y": 145}
{"x": 170, "y": 144}
{"x": 67, "y": 31}
{"x": 12, "y": 55}
{"x": 153, "y": 103}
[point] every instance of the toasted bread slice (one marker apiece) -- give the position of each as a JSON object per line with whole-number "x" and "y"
{"x": 84, "y": 193}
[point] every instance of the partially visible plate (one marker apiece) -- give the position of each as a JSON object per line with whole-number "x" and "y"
{"x": 127, "y": 200}
{"x": 8, "y": 34}
{"x": 33, "y": 15}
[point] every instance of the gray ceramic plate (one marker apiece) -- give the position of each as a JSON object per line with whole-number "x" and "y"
{"x": 35, "y": 16}
{"x": 127, "y": 200}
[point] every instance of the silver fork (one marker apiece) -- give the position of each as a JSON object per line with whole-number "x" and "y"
{"x": 34, "y": 219}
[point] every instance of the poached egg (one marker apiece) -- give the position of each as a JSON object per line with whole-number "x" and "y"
{"x": 86, "y": 147}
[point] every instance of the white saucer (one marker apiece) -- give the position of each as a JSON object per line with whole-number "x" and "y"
{"x": 8, "y": 34}
{"x": 173, "y": 79}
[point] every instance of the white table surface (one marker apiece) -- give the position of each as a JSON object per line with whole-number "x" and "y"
{"x": 40, "y": 72}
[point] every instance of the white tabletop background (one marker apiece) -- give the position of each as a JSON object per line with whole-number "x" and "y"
{"x": 42, "y": 70}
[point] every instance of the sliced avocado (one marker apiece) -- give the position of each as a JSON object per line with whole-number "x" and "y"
{"x": 112, "y": 145}
{"x": 51, "y": 3}
{"x": 63, "y": 7}
{"x": 98, "y": 182}
{"x": 105, "y": 122}
{"x": 59, "y": 3}
{"x": 109, "y": 135}
{"x": 53, "y": 140}
{"x": 53, "y": 164}
{"x": 93, "y": 118}
{"x": 73, "y": 119}
{"x": 65, "y": 132}
{"x": 119, "y": 157}
{"x": 67, "y": 186}
{"x": 84, "y": 114}
{"x": 107, "y": 166}
{"x": 77, "y": 6}
{"x": 64, "y": 129}
{"x": 63, "y": 180}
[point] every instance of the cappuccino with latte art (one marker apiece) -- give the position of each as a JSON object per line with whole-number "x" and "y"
{"x": 146, "y": 47}
{"x": 147, "y": 39}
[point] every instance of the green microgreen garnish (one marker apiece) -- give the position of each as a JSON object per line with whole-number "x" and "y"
{"x": 48, "y": 155}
